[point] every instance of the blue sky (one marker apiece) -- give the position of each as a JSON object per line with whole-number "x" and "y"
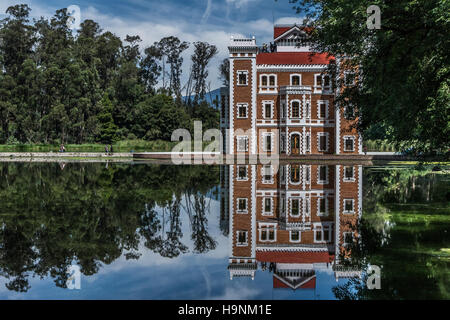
{"x": 213, "y": 21}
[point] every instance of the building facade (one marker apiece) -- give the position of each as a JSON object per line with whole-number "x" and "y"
{"x": 281, "y": 100}
{"x": 291, "y": 221}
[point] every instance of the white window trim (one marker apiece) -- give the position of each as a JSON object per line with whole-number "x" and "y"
{"x": 307, "y": 109}
{"x": 238, "y": 105}
{"x": 290, "y": 207}
{"x": 317, "y": 87}
{"x": 319, "y": 181}
{"x": 237, "y": 173}
{"x": 299, "y": 109}
{"x": 264, "y": 103}
{"x": 296, "y": 75}
{"x": 319, "y": 115}
{"x": 299, "y": 236}
{"x": 263, "y": 174}
{"x": 349, "y": 179}
{"x": 237, "y": 143}
{"x": 353, "y": 206}
{"x": 328, "y": 88}
{"x": 246, "y": 206}
{"x": 319, "y": 214}
{"x": 308, "y": 138}
{"x": 283, "y": 142}
{"x": 268, "y": 227}
{"x": 241, "y": 244}
{"x": 272, "y": 141}
{"x": 290, "y": 175}
{"x": 307, "y": 207}
{"x": 308, "y": 167}
{"x": 327, "y": 135}
{"x": 268, "y": 88}
{"x": 238, "y": 72}
{"x": 351, "y": 138}
{"x": 264, "y": 213}
{"x": 322, "y": 226}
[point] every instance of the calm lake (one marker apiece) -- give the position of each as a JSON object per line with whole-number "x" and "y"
{"x": 144, "y": 231}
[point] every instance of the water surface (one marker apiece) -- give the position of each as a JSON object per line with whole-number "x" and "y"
{"x": 171, "y": 232}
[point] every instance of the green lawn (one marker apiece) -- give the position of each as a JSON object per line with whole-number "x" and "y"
{"x": 121, "y": 146}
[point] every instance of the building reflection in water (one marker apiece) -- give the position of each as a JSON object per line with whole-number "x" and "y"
{"x": 292, "y": 220}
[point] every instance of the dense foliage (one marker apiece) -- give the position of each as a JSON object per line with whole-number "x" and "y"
{"x": 404, "y": 94}
{"x": 54, "y": 214}
{"x": 60, "y": 86}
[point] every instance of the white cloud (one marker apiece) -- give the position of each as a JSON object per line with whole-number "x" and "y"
{"x": 240, "y": 3}
{"x": 289, "y": 20}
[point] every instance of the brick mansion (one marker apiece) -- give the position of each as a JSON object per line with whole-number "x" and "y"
{"x": 281, "y": 100}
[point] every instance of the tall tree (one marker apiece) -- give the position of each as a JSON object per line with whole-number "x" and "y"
{"x": 203, "y": 53}
{"x": 171, "y": 49}
{"x": 404, "y": 66}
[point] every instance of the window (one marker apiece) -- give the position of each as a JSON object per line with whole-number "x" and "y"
{"x": 267, "y": 233}
{"x": 348, "y": 206}
{"x": 322, "y": 233}
{"x": 295, "y": 109}
{"x": 242, "y": 238}
{"x": 322, "y": 174}
{"x": 267, "y": 143}
{"x": 326, "y": 83}
{"x": 308, "y": 174}
{"x": 264, "y": 81}
{"x": 295, "y": 207}
{"x": 348, "y": 238}
{"x": 294, "y": 236}
{"x": 349, "y": 174}
{"x": 322, "y": 109}
{"x": 267, "y": 174}
{"x": 272, "y": 81}
{"x": 317, "y": 82}
{"x": 242, "y": 143}
{"x": 308, "y": 142}
{"x": 242, "y": 77}
{"x": 267, "y": 110}
{"x": 242, "y": 173}
{"x": 307, "y": 207}
{"x": 349, "y": 143}
{"x": 308, "y": 110}
{"x": 323, "y": 142}
{"x": 283, "y": 142}
{"x": 349, "y": 78}
{"x": 295, "y": 173}
{"x": 242, "y": 205}
{"x": 349, "y": 112}
{"x": 242, "y": 110}
{"x": 322, "y": 206}
{"x": 268, "y": 82}
{"x": 267, "y": 210}
{"x": 295, "y": 80}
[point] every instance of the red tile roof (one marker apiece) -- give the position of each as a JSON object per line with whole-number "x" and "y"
{"x": 294, "y": 257}
{"x": 278, "y": 31}
{"x": 280, "y": 58}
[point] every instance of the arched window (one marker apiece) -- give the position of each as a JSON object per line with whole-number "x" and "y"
{"x": 295, "y": 173}
{"x": 272, "y": 81}
{"x": 264, "y": 80}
